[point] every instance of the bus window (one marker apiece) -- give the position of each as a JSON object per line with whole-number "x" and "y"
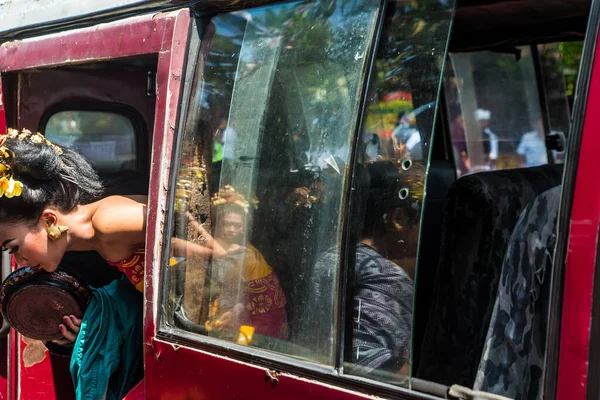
{"x": 107, "y": 139}
{"x": 262, "y": 174}
{"x": 559, "y": 65}
{"x": 393, "y": 154}
{"x": 495, "y": 109}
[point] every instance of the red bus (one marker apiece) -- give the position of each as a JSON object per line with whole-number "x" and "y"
{"x": 417, "y": 178}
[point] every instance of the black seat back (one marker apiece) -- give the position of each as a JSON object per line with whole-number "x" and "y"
{"x": 440, "y": 178}
{"x": 481, "y": 212}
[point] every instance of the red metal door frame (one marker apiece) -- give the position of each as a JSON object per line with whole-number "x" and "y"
{"x": 581, "y": 254}
{"x": 164, "y": 35}
{"x": 7, "y": 344}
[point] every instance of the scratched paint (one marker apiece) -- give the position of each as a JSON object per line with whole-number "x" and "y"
{"x": 34, "y": 352}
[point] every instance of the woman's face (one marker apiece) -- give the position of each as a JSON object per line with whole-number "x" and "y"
{"x": 231, "y": 227}
{"x": 30, "y": 245}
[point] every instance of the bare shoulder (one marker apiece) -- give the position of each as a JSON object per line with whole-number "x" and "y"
{"x": 120, "y": 216}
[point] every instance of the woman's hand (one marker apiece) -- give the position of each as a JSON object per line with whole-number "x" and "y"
{"x": 73, "y": 323}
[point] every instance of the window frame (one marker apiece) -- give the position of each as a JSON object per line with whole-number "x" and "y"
{"x": 142, "y": 140}
{"x": 268, "y": 359}
{"x": 260, "y": 357}
{"x": 558, "y": 290}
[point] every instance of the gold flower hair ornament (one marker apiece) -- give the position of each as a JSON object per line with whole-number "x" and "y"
{"x": 10, "y": 187}
{"x": 26, "y": 134}
{"x": 228, "y": 195}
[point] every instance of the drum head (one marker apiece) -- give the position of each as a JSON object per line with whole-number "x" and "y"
{"x": 34, "y": 301}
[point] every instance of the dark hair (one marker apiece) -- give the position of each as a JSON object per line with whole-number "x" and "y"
{"x": 455, "y": 111}
{"x": 62, "y": 181}
{"x": 376, "y": 193}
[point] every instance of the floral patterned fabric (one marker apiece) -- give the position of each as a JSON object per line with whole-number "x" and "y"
{"x": 481, "y": 213}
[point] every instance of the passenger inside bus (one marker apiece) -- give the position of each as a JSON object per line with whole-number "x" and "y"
{"x": 246, "y": 296}
{"x": 383, "y": 271}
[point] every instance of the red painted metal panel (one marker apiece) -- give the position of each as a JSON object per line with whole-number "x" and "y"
{"x": 35, "y": 381}
{"x": 4, "y": 343}
{"x": 2, "y": 111}
{"x": 43, "y": 89}
{"x": 130, "y": 37}
{"x": 196, "y": 375}
{"x": 168, "y": 76}
{"x": 581, "y": 256}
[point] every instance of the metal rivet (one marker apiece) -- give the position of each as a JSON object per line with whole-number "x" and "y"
{"x": 406, "y": 164}
{"x": 403, "y": 193}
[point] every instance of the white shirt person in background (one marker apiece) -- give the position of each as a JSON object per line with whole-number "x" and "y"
{"x": 227, "y": 136}
{"x": 532, "y": 147}
{"x": 489, "y": 138}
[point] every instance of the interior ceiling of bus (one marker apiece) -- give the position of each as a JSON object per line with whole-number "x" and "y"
{"x": 504, "y": 24}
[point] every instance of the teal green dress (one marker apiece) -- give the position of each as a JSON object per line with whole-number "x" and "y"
{"x": 107, "y": 358}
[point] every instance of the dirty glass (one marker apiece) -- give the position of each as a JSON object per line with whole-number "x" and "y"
{"x": 559, "y": 64}
{"x": 106, "y": 139}
{"x": 494, "y": 107}
{"x": 262, "y": 175}
{"x": 392, "y": 158}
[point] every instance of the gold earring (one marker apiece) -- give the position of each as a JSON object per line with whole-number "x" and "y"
{"x": 54, "y": 232}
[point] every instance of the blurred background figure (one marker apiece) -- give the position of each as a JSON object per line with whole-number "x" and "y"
{"x": 489, "y": 138}
{"x": 406, "y": 137}
{"x": 532, "y": 147}
{"x": 372, "y": 147}
{"x": 459, "y": 141}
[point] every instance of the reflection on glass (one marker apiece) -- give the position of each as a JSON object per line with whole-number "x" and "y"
{"x": 392, "y": 157}
{"x": 262, "y": 174}
{"x": 560, "y": 67}
{"x": 494, "y": 107}
{"x": 106, "y": 139}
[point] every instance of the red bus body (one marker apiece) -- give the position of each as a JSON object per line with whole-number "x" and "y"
{"x": 176, "y": 371}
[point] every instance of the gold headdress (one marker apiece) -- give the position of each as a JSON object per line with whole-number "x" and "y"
{"x": 26, "y": 134}
{"x": 228, "y": 195}
{"x": 10, "y": 187}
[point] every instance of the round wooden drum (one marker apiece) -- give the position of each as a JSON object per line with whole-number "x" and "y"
{"x": 34, "y": 301}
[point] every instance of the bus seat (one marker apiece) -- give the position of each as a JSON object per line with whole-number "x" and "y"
{"x": 512, "y": 362}
{"x": 481, "y": 213}
{"x": 439, "y": 180}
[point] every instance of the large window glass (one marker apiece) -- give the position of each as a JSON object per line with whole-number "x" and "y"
{"x": 262, "y": 174}
{"x": 106, "y": 139}
{"x": 392, "y": 158}
{"x": 504, "y": 106}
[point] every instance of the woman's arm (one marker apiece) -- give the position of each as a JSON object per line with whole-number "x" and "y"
{"x": 184, "y": 248}
{"x": 198, "y": 231}
{"x": 119, "y": 226}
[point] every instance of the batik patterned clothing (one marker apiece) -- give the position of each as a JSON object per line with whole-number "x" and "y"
{"x": 383, "y": 300}
{"x": 512, "y": 363}
{"x": 133, "y": 268}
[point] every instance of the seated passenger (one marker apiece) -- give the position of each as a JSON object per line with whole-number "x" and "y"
{"x": 249, "y": 296}
{"x": 383, "y": 291}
